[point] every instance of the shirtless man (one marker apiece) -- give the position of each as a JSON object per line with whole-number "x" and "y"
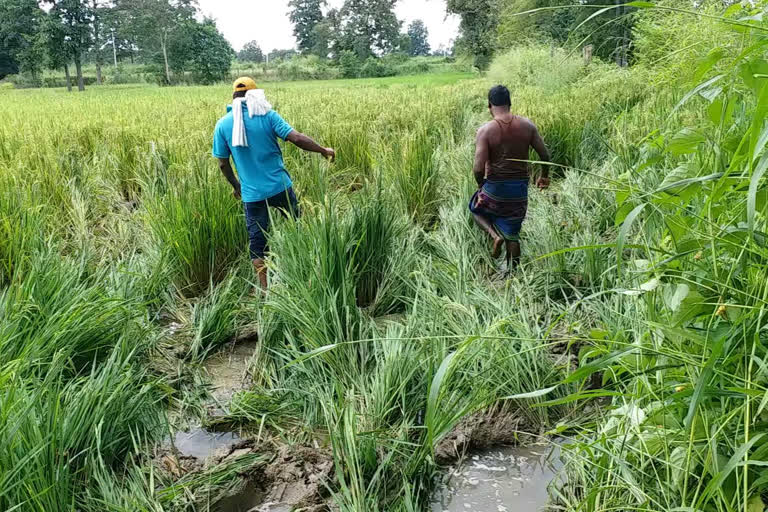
{"x": 502, "y": 173}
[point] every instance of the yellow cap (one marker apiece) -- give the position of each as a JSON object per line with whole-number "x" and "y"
{"x": 244, "y": 83}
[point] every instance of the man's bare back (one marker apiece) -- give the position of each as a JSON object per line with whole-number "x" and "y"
{"x": 508, "y": 139}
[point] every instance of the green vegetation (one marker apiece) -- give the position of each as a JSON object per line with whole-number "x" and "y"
{"x": 635, "y": 328}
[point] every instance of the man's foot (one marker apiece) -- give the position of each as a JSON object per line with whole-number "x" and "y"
{"x": 261, "y": 272}
{"x": 497, "y": 243}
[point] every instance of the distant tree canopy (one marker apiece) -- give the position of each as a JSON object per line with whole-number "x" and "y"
{"x": 285, "y": 54}
{"x": 59, "y": 33}
{"x": 21, "y": 46}
{"x": 419, "y": 38}
{"x": 251, "y": 52}
{"x": 368, "y": 27}
{"x": 201, "y": 49}
{"x": 479, "y": 19}
{"x": 305, "y": 16}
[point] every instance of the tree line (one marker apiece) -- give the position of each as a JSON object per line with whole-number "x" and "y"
{"x": 64, "y": 34}
{"x": 360, "y": 29}
{"x": 365, "y": 28}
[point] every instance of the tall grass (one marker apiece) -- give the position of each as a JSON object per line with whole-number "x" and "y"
{"x": 198, "y": 226}
{"x": 387, "y": 323}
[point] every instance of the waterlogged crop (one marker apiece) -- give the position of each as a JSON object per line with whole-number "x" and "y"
{"x": 635, "y": 328}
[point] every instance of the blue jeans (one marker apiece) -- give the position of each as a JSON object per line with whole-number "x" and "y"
{"x": 257, "y": 219}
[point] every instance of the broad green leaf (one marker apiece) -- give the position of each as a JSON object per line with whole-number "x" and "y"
{"x": 622, "y": 195}
{"x": 622, "y": 213}
{"x": 755, "y": 504}
{"x": 685, "y": 142}
{"x": 761, "y": 141}
{"x": 696, "y": 90}
{"x": 711, "y": 93}
{"x": 675, "y": 296}
{"x": 754, "y": 184}
{"x": 709, "y": 62}
{"x": 626, "y": 226}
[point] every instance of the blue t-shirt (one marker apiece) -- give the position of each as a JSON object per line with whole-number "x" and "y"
{"x": 259, "y": 166}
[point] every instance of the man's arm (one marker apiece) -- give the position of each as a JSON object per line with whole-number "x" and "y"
{"x": 541, "y": 149}
{"x": 308, "y": 144}
{"x": 229, "y": 173}
{"x": 481, "y": 156}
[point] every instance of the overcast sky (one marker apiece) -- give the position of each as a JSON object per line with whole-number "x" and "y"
{"x": 267, "y": 21}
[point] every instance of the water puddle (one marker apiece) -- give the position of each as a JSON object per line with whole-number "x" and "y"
{"x": 250, "y": 497}
{"x": 200, "y": 443}
{"x": 227, "y": 369}
{"x": 504, "y": 479}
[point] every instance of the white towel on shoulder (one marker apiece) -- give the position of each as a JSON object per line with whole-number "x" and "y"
{"x": 257, "y": 105}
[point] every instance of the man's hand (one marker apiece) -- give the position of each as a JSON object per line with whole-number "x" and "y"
{"x": 542, "y": 183}
{"x": 237, "y": 192}
{"x": 329, "y": 154}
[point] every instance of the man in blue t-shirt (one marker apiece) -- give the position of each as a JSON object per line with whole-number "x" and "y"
{"x": 248, "y": 134}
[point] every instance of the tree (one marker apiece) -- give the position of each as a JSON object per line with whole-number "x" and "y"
{"x": 282, "y": 54}
{"x": 369, "y": 27}
{"x": 121, "y": 41}
{"x": 419, "y": 36}
{"x": 251, "y": 52}
{"x": 305, "y": 16}
{"x": 323, "y": 38}
{"x": 200, "y": 48}
{"x": 327, "y": 35}
{"x": 97, "y": 10}
{"x": 478, "y": 27}
{"x": 57, "y": 49}
{"x": 21, "y": 44}
{"x": 349, "y": 63}
{"x": 212, "y": 53}
{"x": 153, "y": 21}
{"x": 72, "y": 27}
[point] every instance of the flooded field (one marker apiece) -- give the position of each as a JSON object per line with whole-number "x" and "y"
{"x": 201, "y": 444}
{"x": 504, "y": 479}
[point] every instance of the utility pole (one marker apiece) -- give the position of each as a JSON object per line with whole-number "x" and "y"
{"x": 114, "y": 48}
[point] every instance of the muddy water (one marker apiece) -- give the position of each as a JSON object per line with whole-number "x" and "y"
{"x": 246, "y": 500}
{"x": 200, "y": 443}
{"x": 227, "y": 369}
{"x": 505, "y": 479}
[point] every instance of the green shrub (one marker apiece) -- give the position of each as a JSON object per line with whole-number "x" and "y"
{"x": 350, "y": 65}
{"x": 376, "y": 68}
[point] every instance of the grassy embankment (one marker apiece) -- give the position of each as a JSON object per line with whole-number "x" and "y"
{"x": 387, "y": 323}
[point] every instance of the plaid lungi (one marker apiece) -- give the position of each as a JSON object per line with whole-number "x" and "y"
{"x": 504, "y": 204}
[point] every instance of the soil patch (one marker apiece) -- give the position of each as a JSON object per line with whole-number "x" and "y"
{"x": 477, "y": 432}
{"x": 228, "y": 369}
{"x": 294, "y": 478}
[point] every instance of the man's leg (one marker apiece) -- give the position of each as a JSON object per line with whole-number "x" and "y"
{"x": 257, "y": 222}
{"x": 513, "y": 254}
{"x": 486, "y": 226}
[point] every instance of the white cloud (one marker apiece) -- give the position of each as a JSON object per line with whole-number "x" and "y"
{"x": 267, "y": 21}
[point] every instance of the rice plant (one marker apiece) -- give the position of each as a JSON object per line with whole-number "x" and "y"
{"x": 635, "y": 325}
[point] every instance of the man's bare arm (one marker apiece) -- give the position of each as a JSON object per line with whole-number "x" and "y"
{"x": 308, "y": 144}
{"x": 541, "y": 149}
{"x": 481, "y": 157}
{"x": 229, "y": 173}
